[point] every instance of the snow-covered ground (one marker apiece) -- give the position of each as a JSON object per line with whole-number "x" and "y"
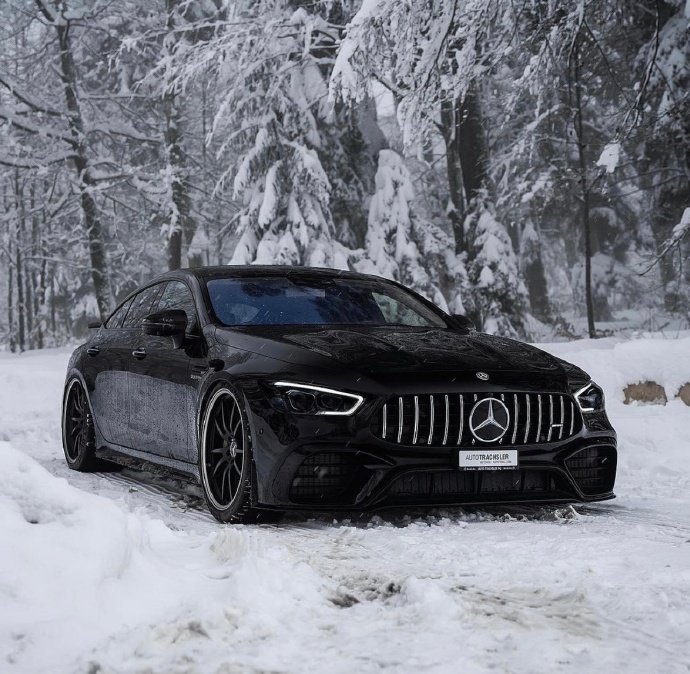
{"x": 113, "y": 573}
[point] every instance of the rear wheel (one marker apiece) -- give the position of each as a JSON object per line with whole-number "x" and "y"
{"x": 225, "y": 458}
{"x": 78, "y": 436}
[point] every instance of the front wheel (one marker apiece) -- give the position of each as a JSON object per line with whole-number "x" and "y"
{"x": 225, "y": 458}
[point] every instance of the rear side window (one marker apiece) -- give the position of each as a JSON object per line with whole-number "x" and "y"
{"x": 143, "y": 304}
{"x": 118, "y": 316}
{"x": 178, "y": 296}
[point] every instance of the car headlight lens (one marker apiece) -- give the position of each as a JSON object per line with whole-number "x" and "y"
{"x": 308, "y": 399}
{"x": 590, "y": 398}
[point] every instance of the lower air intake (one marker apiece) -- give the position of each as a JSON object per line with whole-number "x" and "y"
{"x": 447, "y": 485}
{"x": 327, "y": 477}
{"x": 593, "y": 469}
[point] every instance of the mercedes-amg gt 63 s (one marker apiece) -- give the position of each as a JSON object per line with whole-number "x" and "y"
{"x": 284, "y": 388}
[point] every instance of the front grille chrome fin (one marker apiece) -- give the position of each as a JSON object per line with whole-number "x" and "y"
{"x": 533, "y": 418}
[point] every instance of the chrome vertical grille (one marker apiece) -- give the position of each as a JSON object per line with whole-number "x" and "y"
{"x": 447, "y": 419}
{"x": 442, "y": 420}
{"x": 516, "y": 414}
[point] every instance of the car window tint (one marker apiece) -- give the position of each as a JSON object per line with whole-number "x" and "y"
{"x": 142, "y": 304}
{"x": 178, "y": 296}
{"x": 317, "y": 301}
{"x": 118, "y": 316}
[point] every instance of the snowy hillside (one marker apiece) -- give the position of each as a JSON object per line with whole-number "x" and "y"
{"x": 117, "y": 573}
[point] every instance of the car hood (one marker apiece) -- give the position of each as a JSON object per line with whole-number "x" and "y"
{"x": 396, "y": 350}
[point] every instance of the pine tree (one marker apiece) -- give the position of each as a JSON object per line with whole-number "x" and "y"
{"x": 499, "y": 294}
{"x": 391, "y": 248}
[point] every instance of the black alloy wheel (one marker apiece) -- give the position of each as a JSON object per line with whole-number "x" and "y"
{"x": 225, "y": 458}
{"x": 78, "y": 436}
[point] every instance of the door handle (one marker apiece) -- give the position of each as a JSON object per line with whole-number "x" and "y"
{"x": 93, "y": 351}
{"x": 139, "y": 353}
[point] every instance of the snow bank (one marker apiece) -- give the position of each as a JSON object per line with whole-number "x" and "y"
{"x": 69, "y": 558}
{"x": 112, "y": 574}
{"x": 614, "y": 363}
{"x": 85, "y": 584}
{"x": 653, "y": 440}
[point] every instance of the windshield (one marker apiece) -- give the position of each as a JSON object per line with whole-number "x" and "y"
{"x": 316, "y": 301}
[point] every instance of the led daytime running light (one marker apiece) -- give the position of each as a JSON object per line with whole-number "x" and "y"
{"x": 584, "y": 389}
{"x": 357, "y": 400}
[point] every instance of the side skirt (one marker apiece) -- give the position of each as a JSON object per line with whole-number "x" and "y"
{"x": 132, "y": 458}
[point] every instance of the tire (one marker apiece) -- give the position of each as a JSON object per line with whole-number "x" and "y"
{"x": 78, "y": 434}
{"x": 225, "y": 458}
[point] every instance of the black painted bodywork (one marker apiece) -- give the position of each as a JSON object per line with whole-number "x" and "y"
{"x": 148, "y": 408}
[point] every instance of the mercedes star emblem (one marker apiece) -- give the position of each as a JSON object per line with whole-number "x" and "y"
{"x": 483, "y": 376}
{"x": 489, "y": 420}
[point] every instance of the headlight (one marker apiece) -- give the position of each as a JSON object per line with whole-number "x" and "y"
{"x": 307, "y": 399}
{"x": 590, "y": 398}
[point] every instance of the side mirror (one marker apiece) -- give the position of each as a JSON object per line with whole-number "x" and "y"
{"x": 94, "y": 325}
{"x": 168, "y": 323}
{"x": 462, "y": 322}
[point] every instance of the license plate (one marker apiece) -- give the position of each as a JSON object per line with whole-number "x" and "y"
{"x": 487, "y": 459}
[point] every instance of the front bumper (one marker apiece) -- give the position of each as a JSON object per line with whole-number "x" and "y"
{"x": 322, "y": 464}
{"x": 325, "y": 477}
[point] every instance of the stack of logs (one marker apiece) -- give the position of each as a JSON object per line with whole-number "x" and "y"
{"x": 651, "y": 392}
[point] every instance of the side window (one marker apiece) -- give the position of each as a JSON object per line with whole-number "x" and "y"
{"x": 142, "y": 304}
{"x": 118, "y": 316}
{"x": 178, "y": 296}
{"x": 397, "y": 313}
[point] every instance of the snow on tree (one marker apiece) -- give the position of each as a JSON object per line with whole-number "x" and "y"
{"x": 391, "y": 249}
{"x": 273, "y": 121}
{"x": 180, "y": 132}
{"x": 430, "y": 58}
{"x": 498, "y": 294}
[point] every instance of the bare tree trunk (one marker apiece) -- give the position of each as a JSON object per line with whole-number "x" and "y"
{"x": 454, "y": 169}
{"x": 182, "y": 221}
{"x": 463, "y": 133}
{"x": 85, "y": 181}
{"x": 6, "y": 201}
{"x": 19, "y": 261}
{"x": 585, "y": 189}
{"x": 10, "y": 298}
{"x": 29, "y": 304}
{"x": 471, "y": 144}
{"x": 39, "y": 276}
{"x": 53, "y": 322}
{"x": 19, "y": 270}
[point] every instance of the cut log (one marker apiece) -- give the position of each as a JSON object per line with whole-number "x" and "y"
{"x": 684, "y": 393}
{"x": 645, "y": 392}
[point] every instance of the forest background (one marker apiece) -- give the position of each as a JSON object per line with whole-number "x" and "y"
{"x": 526, "y": 162}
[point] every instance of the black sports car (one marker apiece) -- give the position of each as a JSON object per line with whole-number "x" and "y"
{"x": 284, "y": 388}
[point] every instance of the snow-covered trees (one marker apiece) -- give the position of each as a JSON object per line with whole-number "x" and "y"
{"x": 431, "y": 57}
{"x": 498, "y": 291}
{"x": 392, "y": 247}
{"x": 274, "y": 125}
{"x": 516, "y": 165}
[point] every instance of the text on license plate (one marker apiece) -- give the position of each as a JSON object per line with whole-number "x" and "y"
{"x": 487, "y": 459}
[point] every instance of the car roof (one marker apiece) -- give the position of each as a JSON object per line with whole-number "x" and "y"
{"x": 258, "y": 271}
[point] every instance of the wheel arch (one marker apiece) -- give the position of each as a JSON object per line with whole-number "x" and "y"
{"x": 74, "y": 372}
{"x": 206, "y": 392}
